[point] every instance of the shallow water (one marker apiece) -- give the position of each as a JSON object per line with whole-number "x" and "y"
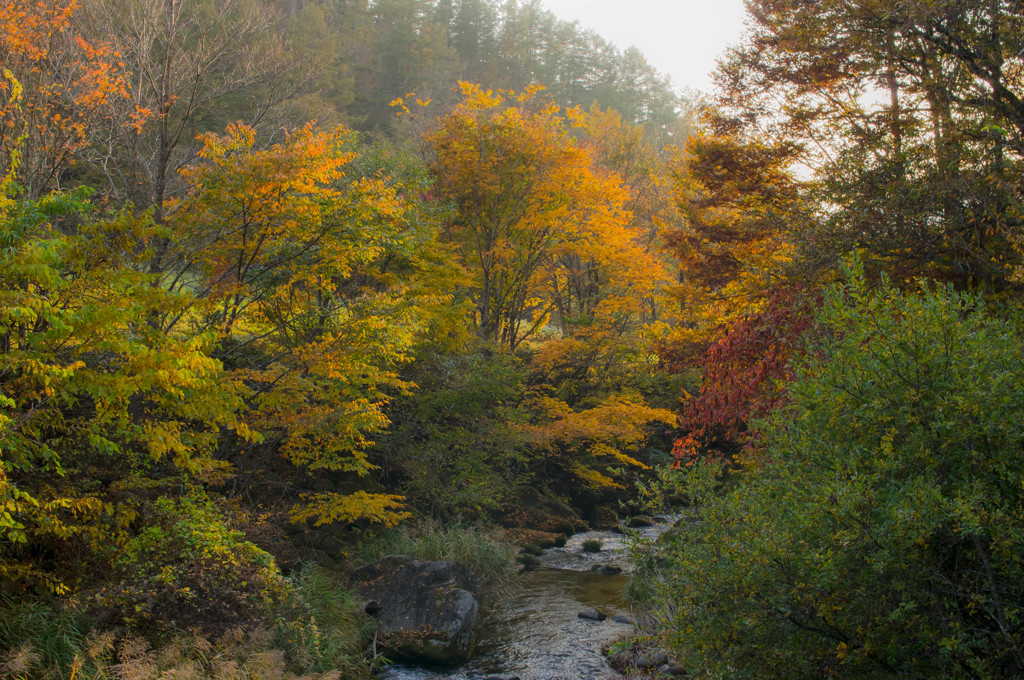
{"x": 537, "y": 635}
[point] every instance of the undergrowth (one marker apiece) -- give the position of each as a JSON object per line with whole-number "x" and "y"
{"x": 318, "y": 634}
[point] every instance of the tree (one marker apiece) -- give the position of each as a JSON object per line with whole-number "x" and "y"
{"x": 188, "y": 60}
{"x": 741, "y": 206}
{"x": 911, "y": 117}
{"x": 876, "y": 534}
{"x": 406, "y": 49}
{"x": 317, "y": 280}
{"x": 57, "y": 91}
{"x": 744, "y": 377}
{"x": 526, "y": 196}
{"x": 594, "y": 446}
{"x": 93, "y": 399}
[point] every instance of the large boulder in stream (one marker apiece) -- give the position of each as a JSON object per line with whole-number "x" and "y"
{"x": 604, "y": 518}
{"x": 426, "y": 611}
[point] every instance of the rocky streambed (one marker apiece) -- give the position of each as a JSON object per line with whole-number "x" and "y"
{"x": 539, "y": 634}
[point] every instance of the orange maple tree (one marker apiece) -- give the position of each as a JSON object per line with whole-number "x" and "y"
{"x": 740, "y": 202}
{"x": 57, "y": 90}
{"x": 537, "y": 221}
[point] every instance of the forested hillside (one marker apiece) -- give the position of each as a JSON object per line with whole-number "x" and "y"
{"x": 276, "y": 278}
{"x": 289, "y": 286}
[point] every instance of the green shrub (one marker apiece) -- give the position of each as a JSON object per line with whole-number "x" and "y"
{"x": 188, "y": 571}
{"x": 877, "y": 531}
{"x": 591, "y": 546}
{"x": 456, "y": 441}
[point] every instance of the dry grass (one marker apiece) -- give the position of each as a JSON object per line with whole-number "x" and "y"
{"x": 319, "y": 634}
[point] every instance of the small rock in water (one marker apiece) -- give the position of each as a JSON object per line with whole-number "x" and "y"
{"x": 591, "y": 615}
{"x": 619, "y": 618}
{"x": 651, "y": 660}
{"x": 606, "y": 570}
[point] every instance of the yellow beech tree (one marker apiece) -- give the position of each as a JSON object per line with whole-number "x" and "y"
{"x": 96, "y": 405}
{"x": 317, "y": 278}
{"x": 612, "y": 296}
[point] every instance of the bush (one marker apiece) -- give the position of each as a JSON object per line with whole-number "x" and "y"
{"x": 877, "y": 532}
{"x": 591, "y": 546}
{"x": 188, "y": 571}
{"x": 455, "y": 442}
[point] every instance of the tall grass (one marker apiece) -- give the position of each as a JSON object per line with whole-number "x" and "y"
{"x": 324, "y": 629}
{"x": 34, "y": 635}
{"x": 490, "y": 559}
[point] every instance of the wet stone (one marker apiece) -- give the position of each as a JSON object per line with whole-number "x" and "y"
{"x": 619, "y": 618}
{"x": 606, "y": 570}
{"x": 591, "y": 615}
{"x": 651, "y": 660}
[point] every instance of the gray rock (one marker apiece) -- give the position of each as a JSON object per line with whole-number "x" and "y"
{"x": 591, "y": 615}
{"x": 428, "y": 610}
{"x": 639, "y": 521}
{"x": 673, "y": 669}
{"x": 619, "y": 618}
{"x": 606, "y": 570}
{"x": 650, "y": 660}
{"x": 604, "y": 518}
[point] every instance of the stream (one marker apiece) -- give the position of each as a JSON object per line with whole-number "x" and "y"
{"x": 536, "y": 634}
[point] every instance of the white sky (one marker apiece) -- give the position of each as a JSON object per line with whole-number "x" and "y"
{"x": 681, "y": 38}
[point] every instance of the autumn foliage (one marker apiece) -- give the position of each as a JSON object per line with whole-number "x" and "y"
{"x": 251, "y": 321}
{"x": 57, "y": 90}
{"x": 744, "y": 376}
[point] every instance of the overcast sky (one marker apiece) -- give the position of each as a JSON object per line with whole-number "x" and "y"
{"x": 679, "y": 37}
